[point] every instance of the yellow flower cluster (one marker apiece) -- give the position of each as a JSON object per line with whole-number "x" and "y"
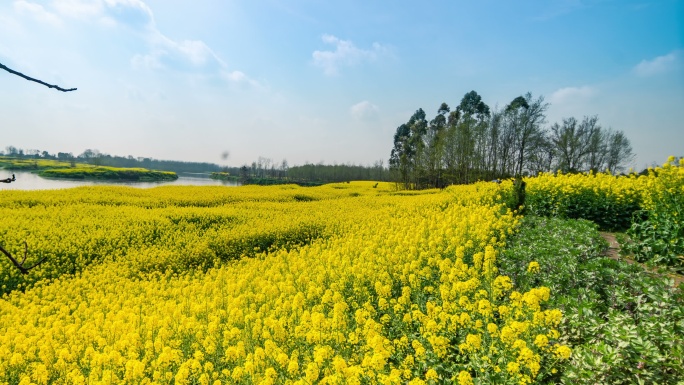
{"x": 665, "y": 183}
{"x": 594, "y": 194}
{"x": 603, "y": 198}
{"x": 397, "y": 288}
{"x": 533, "y": 267}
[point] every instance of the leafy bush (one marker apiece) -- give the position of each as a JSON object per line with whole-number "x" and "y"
{"x": 109, "y": 173}
{"x": 625, "y": 326}
{"x": 658, "y": 232}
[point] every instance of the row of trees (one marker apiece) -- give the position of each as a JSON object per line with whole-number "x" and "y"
{"x": 97, "y": 158}
{"x": 266, "y": 168}
{"x": 473, "y": 142}
{"x": 340, "y": 172}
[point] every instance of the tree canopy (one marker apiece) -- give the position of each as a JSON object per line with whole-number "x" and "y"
{"x": 473, "y": 142}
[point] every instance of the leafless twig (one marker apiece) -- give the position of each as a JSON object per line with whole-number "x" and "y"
{"x": 20, "y": 265}
{"x": 35, "y": 80}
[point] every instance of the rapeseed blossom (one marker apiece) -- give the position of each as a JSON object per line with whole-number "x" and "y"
{"x": 370, "y": 286}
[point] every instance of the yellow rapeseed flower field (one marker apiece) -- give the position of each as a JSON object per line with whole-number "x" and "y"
{"x": 603, "y": 198}
{"x": 339, "y": 284}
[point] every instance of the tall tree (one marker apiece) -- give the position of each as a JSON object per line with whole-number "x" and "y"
{"x": 597, "y": 150}
{"x": 418, "y": 126}
{"x": 571, "y": 144}
{"x": 435, "y": 144}
{"x": 527, "y": 117}
{"x": 495, "y": 135}
{"x": 619, "y": 151}
{"x": 471, "y": 135}
{"x": 401, "y": 157}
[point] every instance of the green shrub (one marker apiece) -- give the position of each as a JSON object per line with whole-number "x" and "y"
{"x": 625, "y": 326}
{"x": 658, "y": 231}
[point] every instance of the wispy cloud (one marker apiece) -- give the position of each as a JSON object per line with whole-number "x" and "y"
{"x": 37, "y": 11}
{"x": 572, "y": 94}
{"x": 239, "y": 77}
{"x": 345, "y": 54}
{"x": 132, "y": 13}
{"x": 183, "y": 55}
{"x": 78, "y": 9}
{"x": 558, "y": 8}
{"x": 364, "y": 110}
{"x": 658, "y": 65}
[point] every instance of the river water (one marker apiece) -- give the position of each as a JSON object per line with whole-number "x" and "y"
{"x": 30, "y": 181}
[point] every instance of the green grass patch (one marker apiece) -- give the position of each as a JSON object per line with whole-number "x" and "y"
{"x": 109, "y": 173}
{"x": 224, "y": 176}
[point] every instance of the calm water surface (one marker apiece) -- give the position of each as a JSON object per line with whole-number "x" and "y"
{"x": 30, "y": 181}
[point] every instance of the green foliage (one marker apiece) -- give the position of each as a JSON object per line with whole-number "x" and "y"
{"x": 279, "y": 181}
{"x": 625, "y": 325}
{"x": 224, "y": 176}
{"x": 55, "y": 169}
{"x": 659, "y": 235}
{"x": 109, "y": 173}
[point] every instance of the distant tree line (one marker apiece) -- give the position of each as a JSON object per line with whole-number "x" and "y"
{"x": 473, "y": 142}
{"x": 340, "y": 172}
{"x": 95, "y": 157}
{"x": 262, "y": 169}
{"x": 268, "y": 169}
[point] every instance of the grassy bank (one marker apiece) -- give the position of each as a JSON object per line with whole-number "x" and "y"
{"x": 47, "y": 168}
{"x": 224, "y": 176}
{"x": 109, "y": 173}
{"x": 264, "y": 181}
{"x": 15, "y": 164}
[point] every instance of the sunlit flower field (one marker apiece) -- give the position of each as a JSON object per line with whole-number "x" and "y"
{"x": 350, "y": 283}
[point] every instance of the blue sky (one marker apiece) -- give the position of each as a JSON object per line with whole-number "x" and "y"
{"x": 317, "y": 81}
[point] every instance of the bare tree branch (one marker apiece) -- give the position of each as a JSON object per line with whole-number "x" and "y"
{"x": 20, "y": 266}
{"x": 35, "y": 80}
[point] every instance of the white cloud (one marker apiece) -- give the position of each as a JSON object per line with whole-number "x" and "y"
{"x": 196, "y": 51}
{"x": 79, "y": 9}
{"x": 148, "y": 61}
{"x": 36, "y": 11}
{"x": 240, "y": 77}
{"x": 183, "y": 55}
{"x": 9, "y": 26}
{"x": 345, "y": 54}
{"x": 187, "y": 55}
{"x": 572, "y": 94}
{"x": 132, "y": 13}
{"x": 364, "y": 110}
{"x": 657, "y": 65}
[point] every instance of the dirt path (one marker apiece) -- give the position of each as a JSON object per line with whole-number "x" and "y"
{"x": 613, "y": 252}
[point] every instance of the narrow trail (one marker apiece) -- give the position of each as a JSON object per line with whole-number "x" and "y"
{"x": 613, "y": 252}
